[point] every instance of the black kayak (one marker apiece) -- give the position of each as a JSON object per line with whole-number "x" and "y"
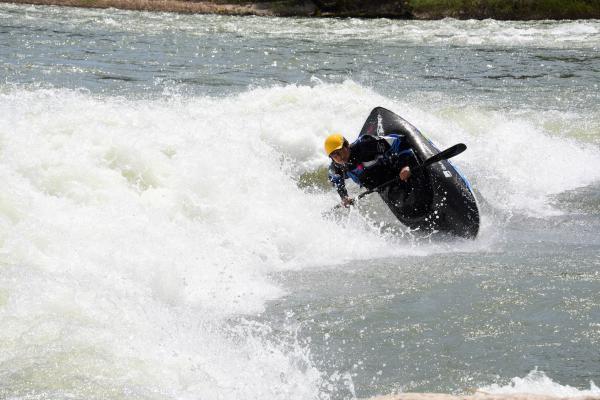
{"x": 437, "y": 197}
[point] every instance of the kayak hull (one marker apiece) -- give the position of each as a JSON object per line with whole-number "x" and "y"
{"x": 438, "y": 197}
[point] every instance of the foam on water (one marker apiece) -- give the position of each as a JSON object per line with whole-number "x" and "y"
{"x": 583, "y": 34}
{"x": 133, "y": 231}
{"x": 537, "y": 382}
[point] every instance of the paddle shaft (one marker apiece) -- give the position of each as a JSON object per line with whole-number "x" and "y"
{"x": 443, "y": 155}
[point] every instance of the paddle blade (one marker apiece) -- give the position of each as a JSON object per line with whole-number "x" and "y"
{"x": 446, "y": 154}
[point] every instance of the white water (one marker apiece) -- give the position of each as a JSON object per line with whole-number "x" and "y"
{"x": 535, "y": 34}
{"x": 537, "y": 382}
{"x": 562, "y": 34}
{"x": 132, "y": 231}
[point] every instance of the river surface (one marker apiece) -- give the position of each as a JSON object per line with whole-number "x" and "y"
{"x": 155, "y": 242}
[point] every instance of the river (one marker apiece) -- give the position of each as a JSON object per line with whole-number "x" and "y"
{"x": 155, "y": 242}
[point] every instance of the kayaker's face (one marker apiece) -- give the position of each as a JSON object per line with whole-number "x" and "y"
{"x": 341, "y": 156}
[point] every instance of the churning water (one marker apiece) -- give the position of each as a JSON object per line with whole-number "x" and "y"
{"x": 155, "y": 242}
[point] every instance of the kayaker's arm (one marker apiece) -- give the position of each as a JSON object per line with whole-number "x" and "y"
{"x": 399, "y": 156}
{"x": 337, "y": 178}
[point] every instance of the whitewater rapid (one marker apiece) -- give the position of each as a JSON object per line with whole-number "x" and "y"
{"x": 157, "y": 242}
{"x": 133, "y": 231}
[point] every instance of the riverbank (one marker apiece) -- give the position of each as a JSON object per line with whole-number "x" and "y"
{"x": 407, "y": 9}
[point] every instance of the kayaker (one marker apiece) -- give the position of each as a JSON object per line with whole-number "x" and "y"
{"x": 369, "y": 161}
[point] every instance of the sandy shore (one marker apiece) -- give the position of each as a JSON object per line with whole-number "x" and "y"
{"x": 477, "y": 396}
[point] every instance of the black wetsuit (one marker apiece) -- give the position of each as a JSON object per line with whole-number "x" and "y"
{"x": 375, "y": 160}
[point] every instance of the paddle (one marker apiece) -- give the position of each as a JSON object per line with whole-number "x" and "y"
{"x": 442, "y": 155}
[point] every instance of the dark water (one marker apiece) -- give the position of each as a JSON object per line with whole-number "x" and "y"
{"x": 453, "y": 323}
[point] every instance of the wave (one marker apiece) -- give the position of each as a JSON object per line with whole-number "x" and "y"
{"x": 134, "y": 233}
{"x": 538, "y": 383}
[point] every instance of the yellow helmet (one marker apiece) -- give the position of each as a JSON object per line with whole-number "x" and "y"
{"x": 333, "y": 143}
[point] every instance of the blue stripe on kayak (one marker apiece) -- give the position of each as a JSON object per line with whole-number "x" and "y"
{"x": 462, "y": 176}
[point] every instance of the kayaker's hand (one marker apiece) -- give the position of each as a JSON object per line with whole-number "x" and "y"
{"x": 347, "y": 201}
{"x": 405, "y": 173}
